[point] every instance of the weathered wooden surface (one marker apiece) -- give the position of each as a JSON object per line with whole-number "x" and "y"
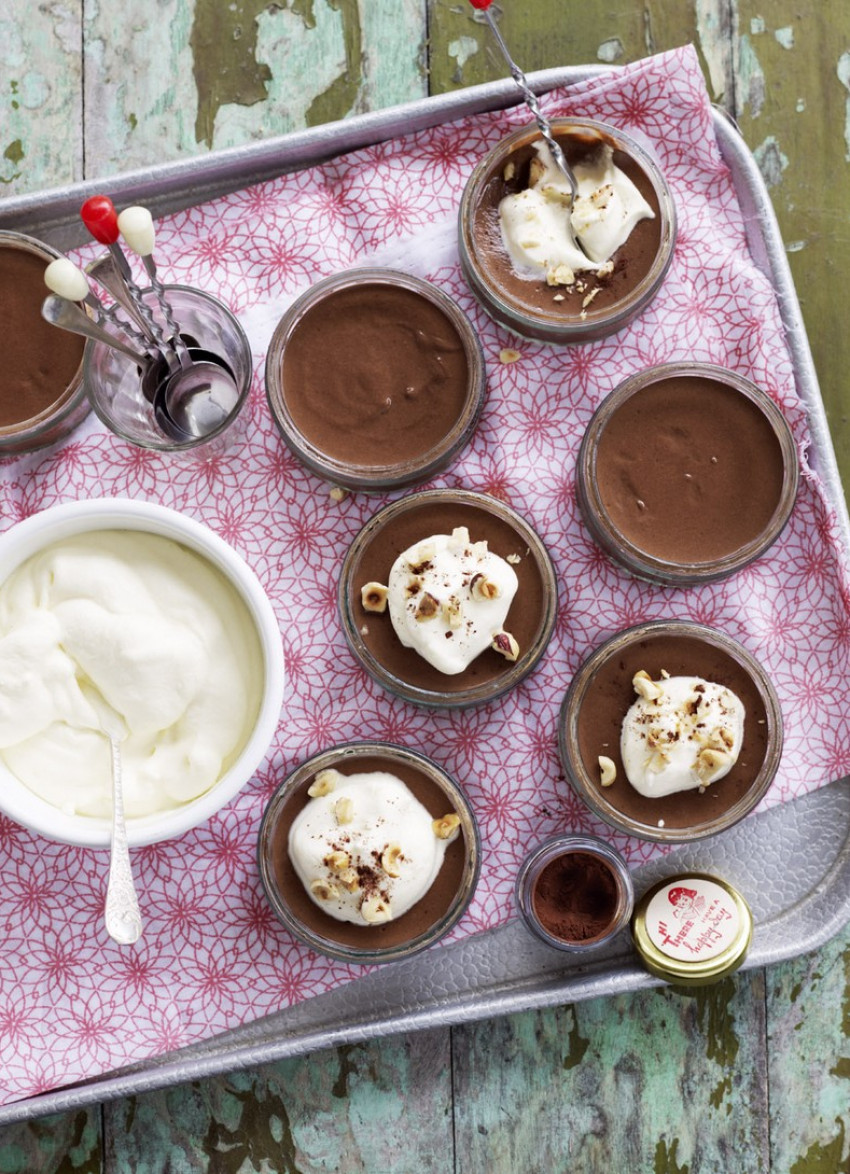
{"x": 752, "y": 1075}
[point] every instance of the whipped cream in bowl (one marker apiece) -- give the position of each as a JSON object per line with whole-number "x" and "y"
{"x": 133, "y": 608}
{"x": 369, "y": 852}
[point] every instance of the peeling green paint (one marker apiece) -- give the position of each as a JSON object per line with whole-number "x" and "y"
{"x": 611, "y": 50}
{"x": 751, "y": 84}
{"x": 843, "y": 70}
{"x": 15, "y": 151}
{"x": 342, "y": 94}
{"x": 666, "y": 1161}
{"x": 785, "y": 37}
{"x": 346, "y": 1068}
{"x": 824, "y": 1159}
{"x": 771, "y": 161}
{"x": 261, "y": 1139}
{"x": 223, "y": 42}
{"x": 578, "y": 1045}
{"x": 717, "y": 1022}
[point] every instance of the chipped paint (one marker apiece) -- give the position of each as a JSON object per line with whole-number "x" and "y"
{"x": 785, "y": 37}
{"x": 843, "y": 71}
{"x": 578, "y": 1045}
{"x": 751, "y": 83}
{"x": 771, "y": 161}
{"x": 716, "y": 39}
{"x": 461, "y": 49}
{"x": 611, "y": 50}
{"x": 800, "y": 105}
{"x": 666, "y": 1160}
{"x": 823, "y": 1159}
{"x": 716, "y": 1020}
{"x": 757, "y": 25}
{"x": 795, "y": 247}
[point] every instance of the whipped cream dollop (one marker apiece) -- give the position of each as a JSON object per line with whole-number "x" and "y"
{"x": 141, "y": 628}
{"x": 680, "y": 734}
{"x": 448, "y": 599}
{"x": 535, "y": 221}
{"x": 364, "y": 847}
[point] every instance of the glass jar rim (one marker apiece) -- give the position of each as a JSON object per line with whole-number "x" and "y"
{"x": 595, "y": 324}
{"x": 396, "y": 474}
{"x": 576, "y": 843}
{"x": 348, "y": 752}
{"x": 617, "y": 545}
{"x": 34, "y": 432}
{"x": 518, "y": 670}
{"x": 568, "y": 742}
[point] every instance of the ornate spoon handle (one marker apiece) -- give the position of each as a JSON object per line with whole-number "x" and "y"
{"x": 122, "y": 915}
{"x": 531, "y": 101}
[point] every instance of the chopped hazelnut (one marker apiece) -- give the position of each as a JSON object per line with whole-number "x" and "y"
{"x": 447, "y": 826}
{"x": 505, "y": 644}
{"x": 324, "y": 782}
{"x": 607, "y": 770}
{"x": 373, "y": 597}
{"x": 375, "y": 910}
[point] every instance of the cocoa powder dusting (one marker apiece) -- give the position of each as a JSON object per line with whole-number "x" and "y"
{"x": 575, "y": 897}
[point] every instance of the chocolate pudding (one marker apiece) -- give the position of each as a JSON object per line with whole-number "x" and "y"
{"x": 575, "y": 892}
{"x": 576, "y": 897}
{"x": 41, "y": 363}
{"x": 430, "y": 917}
{"x": 686, "y": 473}
{"x": 394, "y": 529}
{"x": 597, "y": 303}
{"x": 375, "y": 378}
{"x": 600, "y": 696}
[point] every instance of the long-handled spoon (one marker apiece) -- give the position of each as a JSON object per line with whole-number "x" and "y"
{"x": 104, "y": 271}
{"x": 136, "y": 227}
{"x": 70, "y": 316}
{"x": 543, "y": 125}
{"x": 100, "y": 218}
{"x": 68, "y": 281}
{"x": 121, "y": 914}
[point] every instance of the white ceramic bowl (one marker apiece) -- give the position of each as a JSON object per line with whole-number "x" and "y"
{"x": 32, "y": 535}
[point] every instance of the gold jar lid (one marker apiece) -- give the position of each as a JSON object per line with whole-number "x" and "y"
{"x": 692, "y": 929}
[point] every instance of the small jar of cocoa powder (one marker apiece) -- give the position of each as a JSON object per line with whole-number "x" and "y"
{"x": 575, "y": 892}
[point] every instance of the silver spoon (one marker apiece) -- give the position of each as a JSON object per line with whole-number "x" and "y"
{"x": 121, "y": 913}
{"x": 194, "y": 401}
{"x": 543, "y": 125}
{"x": 105, "y": 273}
{"x": 70, "y": 316}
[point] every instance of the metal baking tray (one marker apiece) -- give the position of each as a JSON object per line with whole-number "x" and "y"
{"x": 792, "y": 863}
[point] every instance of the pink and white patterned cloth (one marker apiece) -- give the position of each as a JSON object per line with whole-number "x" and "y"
{"x": 72, "y": 1003}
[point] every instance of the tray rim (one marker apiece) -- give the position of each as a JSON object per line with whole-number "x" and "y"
{"x": 53, "y": 213}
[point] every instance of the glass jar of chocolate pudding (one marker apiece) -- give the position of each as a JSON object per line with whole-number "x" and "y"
{"x": 524, "y": 630}
{"x": 375, "y": 379}
{"x": 603, "y": 692}
{"x": 687, "y": 473}
{"x": 575, "y": 892}
{"x": 448, "y": 819}
{"x": 591, "y": 302}
{"x": 42, "y": 398}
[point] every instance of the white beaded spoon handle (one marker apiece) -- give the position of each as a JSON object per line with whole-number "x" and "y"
{"x": 137, "y": 229}
{"x": 67, "y": 280}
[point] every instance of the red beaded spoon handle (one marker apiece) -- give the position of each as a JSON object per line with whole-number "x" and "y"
{"x": 100, "y": 218}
